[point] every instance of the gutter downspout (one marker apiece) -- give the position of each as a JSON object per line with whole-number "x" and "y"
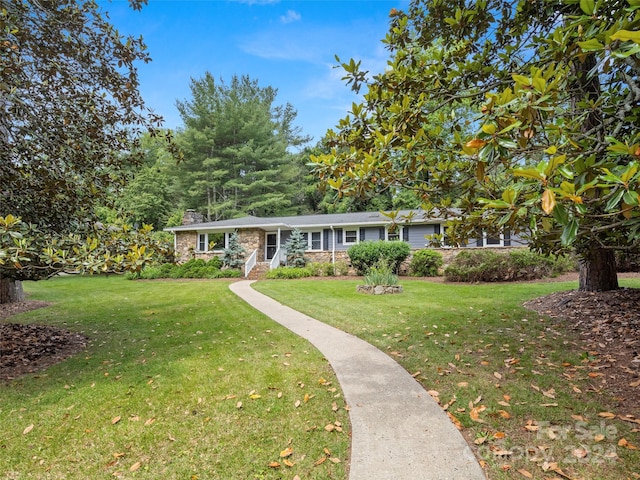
{"x": 333, "y": 245}
{"x": 175, "y": 244}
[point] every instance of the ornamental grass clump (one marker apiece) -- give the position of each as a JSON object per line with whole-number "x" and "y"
{"x": 380, "y": 274}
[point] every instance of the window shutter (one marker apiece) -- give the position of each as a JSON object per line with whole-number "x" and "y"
{"x": 507, "y": 238}
{"x": 339, "y": 239}
{"x": 325, "y": 233}
{"x": 437, "y": 229}
{"x": 479, "y": 242}
{"x": 362, "y": 234}
{"x": 405, "y": 233}
{"x": 381, "y": 233}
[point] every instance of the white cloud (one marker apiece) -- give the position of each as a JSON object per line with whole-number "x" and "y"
{"x": 291, "y": 16}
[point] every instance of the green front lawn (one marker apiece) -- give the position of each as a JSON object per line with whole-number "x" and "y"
{"x": 523, "y": 389}
{"x": 181, "y": 380}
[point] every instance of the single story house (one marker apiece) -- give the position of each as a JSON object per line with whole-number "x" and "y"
{"x": 328, "y": 235}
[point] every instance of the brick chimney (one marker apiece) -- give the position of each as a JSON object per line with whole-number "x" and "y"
{"x": 191, "y": 216}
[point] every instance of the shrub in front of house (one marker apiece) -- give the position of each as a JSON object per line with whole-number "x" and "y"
{"x": 289, "y": 273}
{"x": 425, "y": 263}
{"x": 194, "y": 268}
{"x": 322, "y": 269}
{"x": 365, "y": 255}
{"x": 485, "y": 265}
{"x": 380, "y": 274}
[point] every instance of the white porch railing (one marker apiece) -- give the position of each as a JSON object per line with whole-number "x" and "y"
{"x": 250, "y": 263}
{"x": 277, "y": 258}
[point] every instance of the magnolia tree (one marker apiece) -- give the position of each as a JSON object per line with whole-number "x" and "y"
{"x": 70, "y": 119}
{"x": 28, "y": 253}
{"x": 554, "y": 148}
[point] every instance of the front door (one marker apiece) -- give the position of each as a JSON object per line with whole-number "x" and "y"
{"x": 272, "y": 245}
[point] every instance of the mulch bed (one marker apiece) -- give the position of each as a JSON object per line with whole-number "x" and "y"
{"x": 28, "y": 348}
{"x": 608, "y": 326}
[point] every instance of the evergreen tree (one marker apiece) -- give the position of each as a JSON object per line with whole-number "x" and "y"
{"x": 236, "y": 145}
{"x": 233, "y": 255}
{"x": 295, "y": 247}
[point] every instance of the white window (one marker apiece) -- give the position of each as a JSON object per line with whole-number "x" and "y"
{"x": 350, "y": 236}
{"x": 208, "y": 242}
{"x": 203, "y": 242}
{"x": 316, "y": 241}
{"x": 394, "y": 235}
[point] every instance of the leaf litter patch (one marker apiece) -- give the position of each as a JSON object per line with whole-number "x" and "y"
{"x": 29, "y": 348}
{"x": 609, "y": 325}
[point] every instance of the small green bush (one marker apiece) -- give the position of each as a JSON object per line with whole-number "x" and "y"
{"x": 341, "y": 268}
{"x": 381, "y": 274}
{"x": 289, "y": 273}
{"x": 364, "y": 255}
{"x": 322, "y": 269}
{"x": 484, "y": 265}
{"x": 628, "y": 261}
{"x": 194, "y": 268}
{"x": 425, "y": 263}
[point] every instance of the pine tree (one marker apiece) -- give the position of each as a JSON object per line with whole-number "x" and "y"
{"x": 295, "y": 247}
{"x": 233, "y": 255}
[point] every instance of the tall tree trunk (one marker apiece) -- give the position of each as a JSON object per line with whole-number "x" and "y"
{"x": 598, "y": 271}
{"x": 10, "y": 290}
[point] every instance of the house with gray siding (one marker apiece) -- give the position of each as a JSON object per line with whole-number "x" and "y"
{"x": 328, "y": 235}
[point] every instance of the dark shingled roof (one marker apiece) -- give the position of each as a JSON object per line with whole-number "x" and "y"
{"x": 309, "y": 221}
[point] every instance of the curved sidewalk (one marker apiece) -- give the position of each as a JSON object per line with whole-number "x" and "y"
{"x": 398, "y": 431}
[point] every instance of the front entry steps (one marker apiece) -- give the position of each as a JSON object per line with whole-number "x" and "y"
{"x": 258, "y": 271}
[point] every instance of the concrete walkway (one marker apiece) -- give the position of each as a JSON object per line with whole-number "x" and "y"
{"x": 398, "y": 431}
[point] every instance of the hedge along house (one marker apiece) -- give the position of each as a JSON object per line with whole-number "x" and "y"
{"x": 328, "y": 235}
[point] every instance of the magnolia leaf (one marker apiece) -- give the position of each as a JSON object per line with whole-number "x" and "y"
{"x": 287, "y": 452}
{"x": 591, "y": 45}
{"x": 569, "y": 232}
{"x": 548, "y": 201}
{"x": 475, "y": 412}
{"x": 489, "y": 128}
{"x": 587, "y": 6}
{"x": 607, "y": 415}
{"x": 625, "y": 35}
{"x": 528, "y": 173}
{"x": 521, "y": 80}
{"x": 28, "y": 429}
{"x": 475, "y": 143}
{"x": 135, "y": 466}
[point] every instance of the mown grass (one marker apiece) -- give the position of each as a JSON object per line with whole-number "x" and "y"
{"x": 181, "y": 380}
{"x": 517, "y": 383}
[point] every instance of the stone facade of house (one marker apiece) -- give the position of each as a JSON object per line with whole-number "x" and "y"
{"x": 253, "y": 239}
{"x": 185, "y": 246}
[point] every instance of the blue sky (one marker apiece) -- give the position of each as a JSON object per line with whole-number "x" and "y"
{"x": 289, "y": 45}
